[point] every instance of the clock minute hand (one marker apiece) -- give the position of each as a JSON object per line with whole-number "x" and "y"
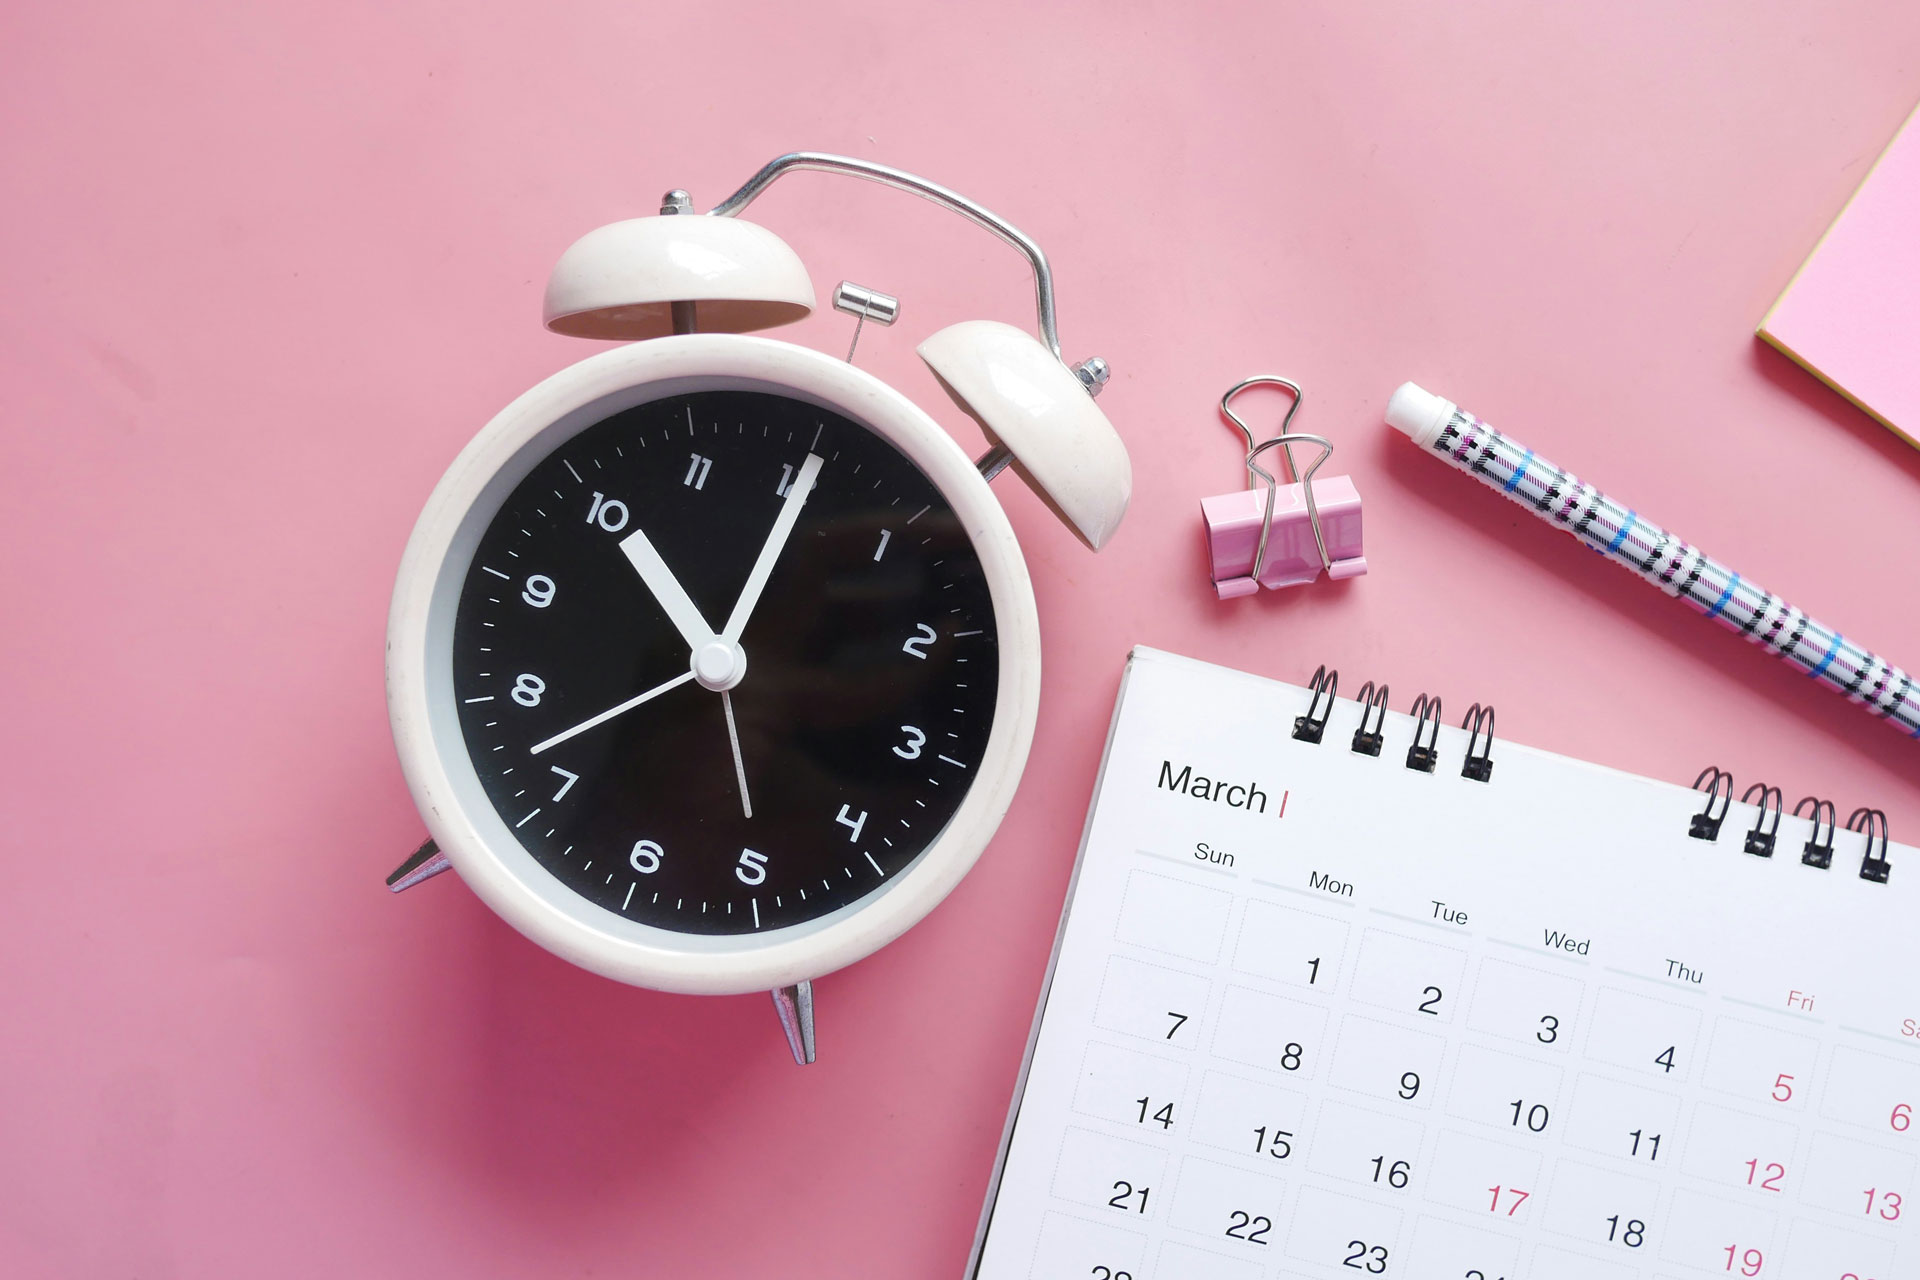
{"x": 666, "y": 588}
{"x": 776, "y": 540}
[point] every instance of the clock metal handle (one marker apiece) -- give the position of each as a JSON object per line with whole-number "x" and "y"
{"x": 901, "y": 180}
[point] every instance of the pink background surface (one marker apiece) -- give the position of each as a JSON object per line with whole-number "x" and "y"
{"x": 1853, "y": 312}
{"x": 266, "y": 268}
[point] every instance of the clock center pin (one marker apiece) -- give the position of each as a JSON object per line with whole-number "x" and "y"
{"x": 719, "y": 665}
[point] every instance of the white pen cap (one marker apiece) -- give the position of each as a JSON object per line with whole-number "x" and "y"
{"x": 1419, "y": 413}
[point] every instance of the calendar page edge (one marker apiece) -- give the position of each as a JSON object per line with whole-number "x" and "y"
{"x": 1138, "y": 656}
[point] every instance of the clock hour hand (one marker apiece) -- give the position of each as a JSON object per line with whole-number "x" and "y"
{"x": 666, "y": 588}
{"x": 777, "y": 539}
{"x": 610, "y": 713}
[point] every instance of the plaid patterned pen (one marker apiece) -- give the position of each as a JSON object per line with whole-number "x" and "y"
{"x": 1677, "y": 568}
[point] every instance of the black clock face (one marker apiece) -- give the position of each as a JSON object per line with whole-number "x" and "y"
{"x": 725, "y": 662}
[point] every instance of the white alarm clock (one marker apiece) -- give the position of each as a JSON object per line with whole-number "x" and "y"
{"x": 713, "y": 662}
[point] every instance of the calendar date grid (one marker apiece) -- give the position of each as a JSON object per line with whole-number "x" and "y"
{"x": 1380, "y": 986}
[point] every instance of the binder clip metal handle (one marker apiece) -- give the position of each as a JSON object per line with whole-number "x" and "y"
{"x": 1302, "y": 527}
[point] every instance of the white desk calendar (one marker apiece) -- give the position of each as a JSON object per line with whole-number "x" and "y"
{"x": 1314, "y": 1013}
{"x": 713, "y": 662}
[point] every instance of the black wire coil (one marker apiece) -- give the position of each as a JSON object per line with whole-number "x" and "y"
{"x": 1818, "y": 852}
{"x": 1706, "y": 823}
{"x": 1717, "y": 785}
{"x": 1369, "y": 738}
{"x": 1313, "y": 725}
{"x": 1760, "y": 839}
{"x": 1373, "y": 719}
{"x": 1872, "y": 823}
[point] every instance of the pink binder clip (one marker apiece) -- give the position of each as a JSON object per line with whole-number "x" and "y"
{"x": 1288, "y": 535}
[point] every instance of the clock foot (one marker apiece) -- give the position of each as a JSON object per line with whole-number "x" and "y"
{"x": 426, "y": 863}
{"x": 795, "y": 1006}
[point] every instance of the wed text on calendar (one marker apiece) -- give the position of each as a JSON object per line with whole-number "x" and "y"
{"x": 1425, "y": 1027}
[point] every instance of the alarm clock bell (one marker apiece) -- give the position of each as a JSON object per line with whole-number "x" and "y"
{"x": 716, "y": 273}
{"x": 627, "y": 281}
{"x": 683, "y": 272}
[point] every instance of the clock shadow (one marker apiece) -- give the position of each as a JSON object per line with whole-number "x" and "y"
{"x": 569, "y": 1096}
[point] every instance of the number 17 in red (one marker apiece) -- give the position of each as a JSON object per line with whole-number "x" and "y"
{"x": 1515, "y": 1196}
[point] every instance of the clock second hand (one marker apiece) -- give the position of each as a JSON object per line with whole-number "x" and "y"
{"x": 796, "y": 497}
{"x": 610, "y": 713}
{"x": 739, "y": 765}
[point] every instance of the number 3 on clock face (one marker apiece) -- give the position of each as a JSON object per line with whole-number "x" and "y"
{"x": 707, "y": 681}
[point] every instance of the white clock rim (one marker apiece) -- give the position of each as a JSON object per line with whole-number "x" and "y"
{"x": 424, "y": 718}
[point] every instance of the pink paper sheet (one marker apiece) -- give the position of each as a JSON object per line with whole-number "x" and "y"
{"x": 1852, "y": 313}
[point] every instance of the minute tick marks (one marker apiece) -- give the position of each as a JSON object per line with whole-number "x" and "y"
{"x": 721, "y": 667}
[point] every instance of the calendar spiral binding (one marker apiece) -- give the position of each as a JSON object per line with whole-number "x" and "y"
{"x": 1716, "y": 784}
{"x": 1370, "y": 738}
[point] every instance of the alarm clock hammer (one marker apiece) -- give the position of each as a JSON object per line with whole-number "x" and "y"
{"x": 877, "y": 654}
